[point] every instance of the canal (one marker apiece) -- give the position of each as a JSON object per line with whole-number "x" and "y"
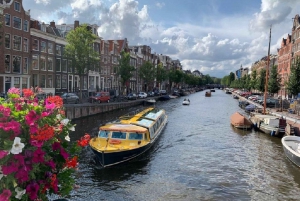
{"x": 198, "y": 157}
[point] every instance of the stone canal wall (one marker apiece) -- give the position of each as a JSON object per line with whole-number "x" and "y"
{"x": 76, "y": 111}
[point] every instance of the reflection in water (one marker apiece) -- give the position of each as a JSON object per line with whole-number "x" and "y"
{"x": 199, "y": 156}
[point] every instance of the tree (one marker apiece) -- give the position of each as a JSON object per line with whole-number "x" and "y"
{"x": 161, "y": 73}
{"x": 80, "y": 50}
{"x": 260, "y": 84}
{"x": 274, "y": 81}
{"x": 248, "y": 82}
{"x": 147, "y": 72}
{"x": 231, "y": 77}
{"x": 293, "y": 85}
{"x": 175, "y": 76}
{"x": 124, "y": 69}
{"x": 253, "y": 79}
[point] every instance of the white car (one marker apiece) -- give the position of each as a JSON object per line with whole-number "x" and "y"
{"x": 142, "y": 95}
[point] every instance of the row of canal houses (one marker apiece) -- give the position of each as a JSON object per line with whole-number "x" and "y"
{"x": 286, "y": 56}
{"x": 32, "y": 52}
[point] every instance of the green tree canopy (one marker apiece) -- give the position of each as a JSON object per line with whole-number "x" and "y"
{"x": 253, "y": 80}
{"x": 80, "y": 50}
{"x": 293, "y": 85}
{"x": 147, "y": 72}
{"x": 124, "y": 69}
{"x": 260, "y": 85}
{"x": 274, "y": 81}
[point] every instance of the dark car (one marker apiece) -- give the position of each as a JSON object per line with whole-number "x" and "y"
{"x": 132, "y": 96}
{"x": 150, "y": 94}
{"x": 70, "y": 98}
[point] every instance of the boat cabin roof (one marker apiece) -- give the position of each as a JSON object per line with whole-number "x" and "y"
{"x": 266, "y": 116}
{"x": 123, "y": 127}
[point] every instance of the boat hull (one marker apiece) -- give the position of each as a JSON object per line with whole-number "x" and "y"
{"x": 289, "y": 148}
{"x": 109, "y": 159}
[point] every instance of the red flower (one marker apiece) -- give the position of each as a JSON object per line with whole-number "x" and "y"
{"x": 84, "y": 141}
{"x": 72, "y": 163}
{"x": 56, "y": 100}
{"x": 27, "y": 92}
{"x": 43, "y": 134}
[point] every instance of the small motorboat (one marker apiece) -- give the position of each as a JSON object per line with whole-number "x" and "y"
{"x": 151, "y": 101}
{"x": 238, "y": 120}
{"x": 291, "y": 147}
{"x": 207, "y": 94}
{"x": 186, "y": 101}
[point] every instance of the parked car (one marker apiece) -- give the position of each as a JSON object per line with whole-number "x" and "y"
{"x": 100, "y": 97}
{"x": 142, "y": 95}
{"x": 132, "y": 96}
{"x": 70, "y": 98}
{"x": 150, "y": 94}
{"x": 163, "y": 92}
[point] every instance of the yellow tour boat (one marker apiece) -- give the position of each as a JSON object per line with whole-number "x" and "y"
{"x": 128, "y": 138}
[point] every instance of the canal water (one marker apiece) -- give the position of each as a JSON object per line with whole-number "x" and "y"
{"x": 199, "y": 156}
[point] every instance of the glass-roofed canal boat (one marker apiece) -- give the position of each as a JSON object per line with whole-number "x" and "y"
{"x": 129, "y": 137}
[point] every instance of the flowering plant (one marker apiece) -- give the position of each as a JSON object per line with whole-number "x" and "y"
{"x": 36, "y": 155}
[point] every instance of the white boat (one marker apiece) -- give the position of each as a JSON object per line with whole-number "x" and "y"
{"x": 291, "y": 147}
{"x": 186, "y": 102}
{"x": 269, "y": 124}
{"x": 151, "y": 101}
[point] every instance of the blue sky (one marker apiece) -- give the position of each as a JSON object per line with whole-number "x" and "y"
{"x": 215, "y": 37}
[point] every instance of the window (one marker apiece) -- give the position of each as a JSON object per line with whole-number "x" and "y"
{"x": 7, "y": 41}
{"x": 43, "y": 46}
{"x": 35, "y": 44}
{"x": 70, "y": 66}
{"x": 50, "y": 64}
{"x": 50, "y": 48}
{"x": 17, "y": 6}
{"x": 49, "y": 81}
{"x": 25, "y": 65}
{"x": 7, "y": 63}
{"x": 58, "y": 65}
{"x": 35, "y": 62}
{"x": 43, "y": 81}
{"x": 7, "y": 20}
{"x": 57, "y": 82}
{"x": 16, "y": 64}
{"x": 64, "y": 81}
{"x": 17, "y": 43}
{"x": 17, "y": 23}
{"x": 135, "y": 136}
{"x": 64, "y": 65}
{"x": 25, "y": 44}
{"x": 103, "y": 134}
{"x": 25, "y": 27}
{"x": 17, "y": 82}
{"x": 35, "y": 80}
{"x": 24, "y": 83}
{"x": 58, "y": 50}
{"x": 118, "y": 135}
{"x": 43, "y": 63}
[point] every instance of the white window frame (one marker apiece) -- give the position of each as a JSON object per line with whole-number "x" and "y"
{"x": 25, "y": 45}
{"x": 9, "y": 20}
{"x": 43, "y": 42}
{"x": 48, "y": 83}
{"x": 66, "y": 66}
{"x": 50, "y": 69}
{"x": 20, "y": 63}
{"x": 19, "y": 6}
{"x": 50, "y": 45}
{"x": 25, "y": 65}
{"x": 45, "y": 80}
{"x": 58, "y": 82}
{"x": 20, "y": 39}
{"x": 56, "y": 66}
{"x": 38, "y": 42}
{"x": 9, "y": 70}
{"x": 37, "y": 59}
{"x": 20, "y": 28}
{"x": 58, "y": 50}
{"x": 43, "y": 60}
{"x": 25, "y": 28}
{"x": 9, "y": 40}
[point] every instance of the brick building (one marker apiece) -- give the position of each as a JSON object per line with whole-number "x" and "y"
{"x": 15, "y": 51}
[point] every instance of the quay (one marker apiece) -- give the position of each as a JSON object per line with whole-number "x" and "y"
{"x": 77, "y": 111}
{"x": 293, "y": 119}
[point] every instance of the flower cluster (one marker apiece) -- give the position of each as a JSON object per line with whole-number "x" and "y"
{"x": 36, "y": 156}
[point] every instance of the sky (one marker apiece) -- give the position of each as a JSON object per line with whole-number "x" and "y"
{"x": 215, "y": 37}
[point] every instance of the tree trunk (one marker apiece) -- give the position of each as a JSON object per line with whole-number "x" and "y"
{"x": 80, "y": 88}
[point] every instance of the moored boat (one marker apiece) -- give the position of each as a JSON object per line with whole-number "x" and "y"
{"x": 186, "y": 102}
{"x": 238, "y": 120}
{"x": 128, "y": 138}
{"x": 207, "y": 94}
{"x": 291, "y": 147}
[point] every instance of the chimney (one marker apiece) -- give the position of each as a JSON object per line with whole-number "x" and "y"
{"x": 52, "y": 24}
{"x": 76, "y": 24}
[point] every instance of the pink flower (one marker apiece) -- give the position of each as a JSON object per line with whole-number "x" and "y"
{"x": 49, "y": 106}
{"x": 32, "y": 189}
{"x": 31, "y": 117}
{"x": 14, "y": 90}
{"x": 10, "y": 168}
{"x": 3, "y": 153}
{"x": 36, "y": 143}
{"x": 38, "y": 156}
{"x": 5, "y": 195}
{"x": 22, "y": 174}
{"x": 51, "y": 164}
{"x": 64, "y": 153}
{"x": 45, "y": 114}
{"x": 33, "y": 128}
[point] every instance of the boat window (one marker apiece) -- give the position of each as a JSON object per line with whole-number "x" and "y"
{"x": 118, "y": 135}
{"x": 103, "y": 134}
{"x": 135, "y": 136}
